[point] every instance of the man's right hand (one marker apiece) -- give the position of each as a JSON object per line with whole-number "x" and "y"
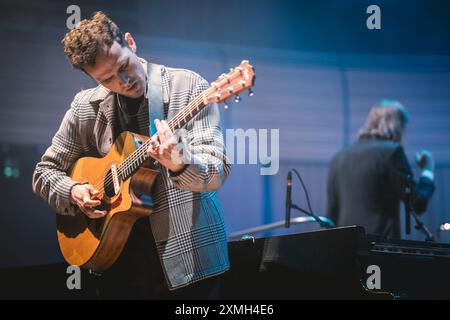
{"x": 81, "y": 195}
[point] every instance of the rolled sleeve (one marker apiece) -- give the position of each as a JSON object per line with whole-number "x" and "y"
{"x": 50, "y": 180}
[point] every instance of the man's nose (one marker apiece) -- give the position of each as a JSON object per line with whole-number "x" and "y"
{"x": 124, "y": 77}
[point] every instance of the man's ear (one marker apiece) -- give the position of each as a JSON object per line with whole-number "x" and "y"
{"x": 130, "y": 41}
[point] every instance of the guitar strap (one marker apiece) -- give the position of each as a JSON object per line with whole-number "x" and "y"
{"x": 154, "y": 95}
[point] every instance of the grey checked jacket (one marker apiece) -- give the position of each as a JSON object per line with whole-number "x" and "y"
{"x": 187, "y": 223}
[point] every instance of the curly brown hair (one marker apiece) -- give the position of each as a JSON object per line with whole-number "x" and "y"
{"x": 82, "y": 43}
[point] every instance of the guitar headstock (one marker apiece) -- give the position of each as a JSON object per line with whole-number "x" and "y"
{"x": 231, "y": 84}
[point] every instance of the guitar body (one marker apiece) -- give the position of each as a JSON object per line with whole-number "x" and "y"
{"x": 96, "y": 243}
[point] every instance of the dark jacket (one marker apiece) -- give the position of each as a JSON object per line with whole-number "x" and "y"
{"x": 366, "y": 183}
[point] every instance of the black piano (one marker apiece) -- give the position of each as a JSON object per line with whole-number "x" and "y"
{"x": 337, "y": 263}
{"x": 324, "y": 264}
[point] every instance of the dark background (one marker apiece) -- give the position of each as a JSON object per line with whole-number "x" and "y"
{"x": 319, "y": 70}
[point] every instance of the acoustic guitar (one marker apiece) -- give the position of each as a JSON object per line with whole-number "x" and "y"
{"x": 124, "y": 179}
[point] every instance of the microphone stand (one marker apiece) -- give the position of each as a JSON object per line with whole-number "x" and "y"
{"x": 421, "y": 227}
{"x": 290, "y": 205}
{"x": 408, "y": 206}
{"x": 287, "y": 222}
{"x": 323, "y": 224}
{"x": 409, "y": 210}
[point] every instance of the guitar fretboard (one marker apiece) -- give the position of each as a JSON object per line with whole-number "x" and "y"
{"x": 140, "y": 155}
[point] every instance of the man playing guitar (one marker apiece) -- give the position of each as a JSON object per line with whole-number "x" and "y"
{"x": 183, "y": 243}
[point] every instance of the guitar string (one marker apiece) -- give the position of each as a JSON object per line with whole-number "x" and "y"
{"x": 129, "y": 162}
{"x": 140, "y": 152}
{"x": 177, "y": 119}
{"x": 189, "y": 109}
{"x": 175, "y": 122}
{"x": 186, "y": 111}
{"x": 137, "y": 154}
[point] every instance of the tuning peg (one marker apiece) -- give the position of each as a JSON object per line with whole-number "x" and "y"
{"x": 250, "y": 93}
{"x": 225, "y": 105}
{"x": 237, "y": 98}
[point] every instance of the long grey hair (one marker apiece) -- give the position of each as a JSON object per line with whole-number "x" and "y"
{"x": 386, "y": 120}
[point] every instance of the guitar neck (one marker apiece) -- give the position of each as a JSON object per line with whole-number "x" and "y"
{"x": 138, "y": 157}
{"x": 187, "y": 113}
{"x": 237, "y": 80}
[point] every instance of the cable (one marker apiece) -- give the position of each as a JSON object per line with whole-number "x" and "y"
{"x": 304, "y": 188}
{"x": 310, "y": 213}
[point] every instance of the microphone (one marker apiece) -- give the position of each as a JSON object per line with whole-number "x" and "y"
{"x": 287, "y": 223}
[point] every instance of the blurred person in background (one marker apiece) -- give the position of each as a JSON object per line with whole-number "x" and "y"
{"x": 367, "y": 181}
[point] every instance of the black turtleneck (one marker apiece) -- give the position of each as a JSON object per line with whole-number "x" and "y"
{"x": 128, "y": 111}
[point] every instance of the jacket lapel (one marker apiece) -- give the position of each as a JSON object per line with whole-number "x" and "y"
{"x": 104, "y": 123}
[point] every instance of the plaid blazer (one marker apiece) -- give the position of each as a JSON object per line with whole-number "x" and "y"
{"x": 187, "y": 223}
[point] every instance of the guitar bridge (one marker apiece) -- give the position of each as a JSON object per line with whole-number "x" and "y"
{"x": 115, "y": 179}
